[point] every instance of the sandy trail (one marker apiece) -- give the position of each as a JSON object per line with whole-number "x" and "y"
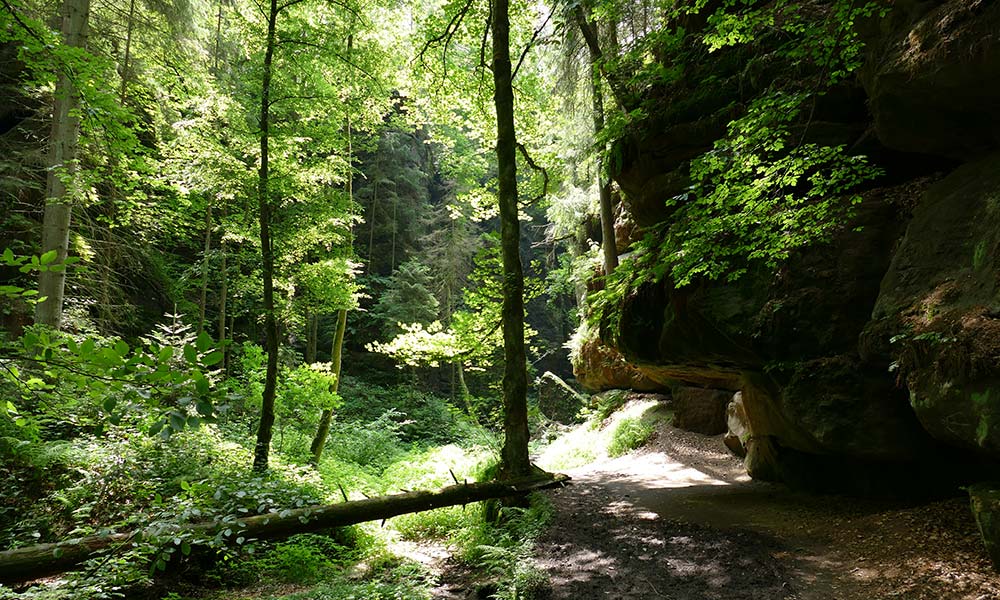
{"x": 682, "y": 520}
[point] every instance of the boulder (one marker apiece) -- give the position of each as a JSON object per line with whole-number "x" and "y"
{"x": 598, "y": 367}
{"x": 985, "y": 503}
{"x": 762, "y": 460}
{"x": 938, "y": 313}
{"x": 557, "y": 400}
{"x": 931, "y": 74}
{"x": 700, "y": 410}
{"x": 737, "y": 426}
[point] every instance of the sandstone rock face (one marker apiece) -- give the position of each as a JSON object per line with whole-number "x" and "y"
{"x": 557, "y": 400}
{"x": 875, "y": 353}
{"x": 737, "y": 426}
{"x": 700, "y": 410}
{"x": 940, "y": 308}
{"x": 931, "y": 76}
{"x": 598, "y": 367}
{"x": 985, "y": 501}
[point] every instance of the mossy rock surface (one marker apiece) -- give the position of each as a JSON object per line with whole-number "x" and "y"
{"x": 985, "y": 503}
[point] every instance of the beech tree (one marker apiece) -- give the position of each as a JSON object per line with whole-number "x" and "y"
{"x": 60, "y": 187}
{"x": 514, "y": 458}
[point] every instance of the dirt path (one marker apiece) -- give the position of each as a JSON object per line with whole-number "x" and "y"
{"x": 682, "y": 521}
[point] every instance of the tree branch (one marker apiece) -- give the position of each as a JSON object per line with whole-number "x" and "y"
{"x": 589, "y": 30}
{"x": 531, "y": 42}
{"x": 538, "y": 169}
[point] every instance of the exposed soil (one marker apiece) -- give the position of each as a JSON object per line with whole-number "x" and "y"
{"x": 681, "y": 520}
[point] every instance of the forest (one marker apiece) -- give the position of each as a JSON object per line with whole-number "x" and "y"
{"x": 386, "y": 299}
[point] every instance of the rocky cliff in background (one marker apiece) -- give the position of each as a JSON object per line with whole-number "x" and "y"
{"x": 874, "y": 358}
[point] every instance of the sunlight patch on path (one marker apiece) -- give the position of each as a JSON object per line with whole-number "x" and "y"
{"x": 652, "y": 470}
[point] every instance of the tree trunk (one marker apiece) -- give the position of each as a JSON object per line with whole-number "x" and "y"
{"x": 62, "y": 167}
{"x": 337, "y": 348}
{"x": 336, "y": 354}
{"x": 218, "y": 40}
{"x": 589, "y": 31}
{"x": 312, "y": 332}
{"x": 514, "y": 458}
{"x": 223, "y": 293}
{"x": 463, "y": 390}
{"x": 130, "y": 26}
{"x": 395, "y": 226}
{"x": 31, "y": 562}
{"x": 264, "y": 429}
{"x": 203, "y": 301}
{"x": 603, "y": 182}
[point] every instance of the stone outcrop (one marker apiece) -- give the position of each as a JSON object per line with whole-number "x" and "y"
{"x": 872, "y": 359}
{"x": 599, "y": 367}
{"x": 930, "y": 75}
{"x": 737, "y": 426}
{"x": 700, "y": 410}
{"x": 985, "y": 501}
{"x": 938, "y": 312}
{"x": 557, "y": 400}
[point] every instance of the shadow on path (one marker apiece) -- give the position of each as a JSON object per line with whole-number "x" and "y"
{"x": 684, "y": 522}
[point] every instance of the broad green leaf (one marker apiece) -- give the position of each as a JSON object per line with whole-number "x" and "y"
{"x": 204, "y": 341}
{"x": 212, "y": 358}
{"x": 177, "y": 421}
{"x": 200, "y": 383}
{"x": 166, "y": 353}
{"x": 48, "y": 257}
{"x": 204, "y": 408}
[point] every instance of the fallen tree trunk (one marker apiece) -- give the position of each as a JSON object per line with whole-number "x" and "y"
{"x": 32, "y": 562}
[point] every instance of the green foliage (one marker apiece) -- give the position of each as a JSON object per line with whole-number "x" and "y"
{"x": 504, "y": 549}
{"x": 31, "y": 264}
{"x": 303, "y": 558}
{"x": 420, "y": 416}
{"x": 758, "y": 196}
{"x": 391, "y": 579}
{"x": 607, "y": 404}
{"x": 766, "y": 189}
{"x": 165, "y": 383}
{"x": 629, "y": 434}
{"x": 408, "y": 299}
{"x": 371, "y": 445}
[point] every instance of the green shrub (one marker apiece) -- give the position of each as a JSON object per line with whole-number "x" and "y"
{"x": 423, "y": 417}
{"x": 304, "y": 558}
{"x": 435, "y": 524}
{"x": 373, "y": 445}
{"x": 504, "y": 549}
{"x": 629, "y": 434}
{"x": 607, "y": 404}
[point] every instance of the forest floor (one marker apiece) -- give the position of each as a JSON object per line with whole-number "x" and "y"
{"x": 680, "y": 519}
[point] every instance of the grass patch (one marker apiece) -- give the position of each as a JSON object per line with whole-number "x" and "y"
{"x": 629, "y": 434}
{"x": 605, "y": 434}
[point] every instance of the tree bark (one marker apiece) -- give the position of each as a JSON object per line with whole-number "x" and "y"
{"x": 337, "y": 348}
{"x": 336, "y": 354}
{"x": 62, "y": 167}
{"x": 610, "y": 248}
{"x": 130, "y": 26}
{"x": 264, "y": 429}
{"x": 514, "y": 457}
{"x": 463, "y": 390}
{"x": 31, "y": 562}
{"x": 312, "y": 332}
{"x": 203, "y": 300}
{"x": 589, "y": 31}
{"x": 223, "y": 294}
